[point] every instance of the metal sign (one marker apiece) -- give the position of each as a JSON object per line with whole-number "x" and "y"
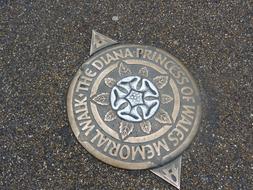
{"x": 134, "y": 107}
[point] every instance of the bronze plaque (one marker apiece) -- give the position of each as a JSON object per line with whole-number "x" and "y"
{"x": 133, "y": 106}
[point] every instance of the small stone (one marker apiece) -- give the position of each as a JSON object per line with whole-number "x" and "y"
{"x": 115, "y": 18}
{"x": 176, "y": 42}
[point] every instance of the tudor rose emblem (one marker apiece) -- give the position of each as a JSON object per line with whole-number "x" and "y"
{"x": 134, "y": 107}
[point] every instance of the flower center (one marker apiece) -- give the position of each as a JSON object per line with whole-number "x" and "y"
{"x": 135, "y": 98}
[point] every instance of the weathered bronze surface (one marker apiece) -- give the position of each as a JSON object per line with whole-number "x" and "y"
{"x": 133, "y": 106}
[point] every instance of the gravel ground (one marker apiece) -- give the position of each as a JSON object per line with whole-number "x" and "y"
{"x": 42, "y": 44}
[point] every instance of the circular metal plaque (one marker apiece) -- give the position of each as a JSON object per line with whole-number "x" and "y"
{"x": 133, "y": 106}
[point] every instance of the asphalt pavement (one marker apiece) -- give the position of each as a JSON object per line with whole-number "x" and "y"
{"x": 42, "y": 45}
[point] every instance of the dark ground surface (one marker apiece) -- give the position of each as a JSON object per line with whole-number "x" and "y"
{"x": 43, "y": 43}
